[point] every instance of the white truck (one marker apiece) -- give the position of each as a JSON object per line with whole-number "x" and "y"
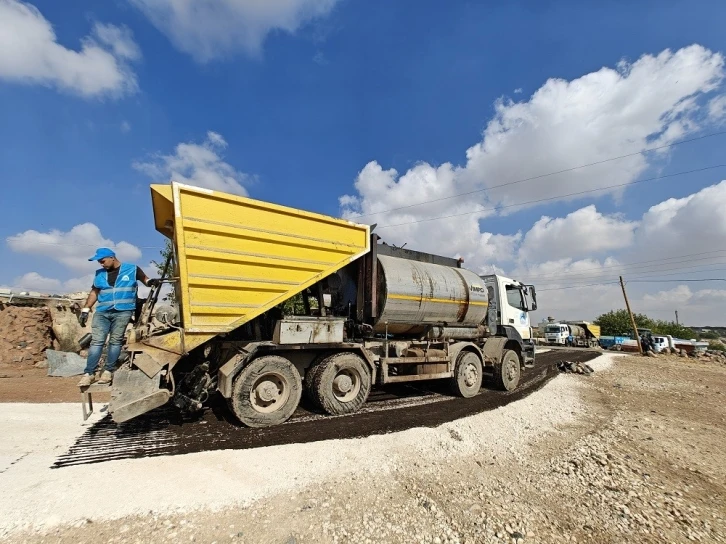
{"x": 577, "y": 334}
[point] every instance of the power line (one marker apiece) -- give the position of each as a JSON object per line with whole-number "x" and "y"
{"x": 663, "y": 281}
{"x": 640, "y": 276}
{"x": 632, "y": 265}
{"x": 555, "y": 197}
{"x": 641, "y": 273}
{"x": 628, "y": 281}
{"x": 628, "y": 264}
{"x": 665, "y": 146}
{"x": 576, "y": 286}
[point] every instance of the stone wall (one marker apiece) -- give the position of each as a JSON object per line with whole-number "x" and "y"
{"x": 30, "y": 325}
{"x": 25, "y": 334}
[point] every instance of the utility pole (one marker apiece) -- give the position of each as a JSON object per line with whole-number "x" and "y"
{"x": 632, "y": 319}
{"x": 677, "y": 318}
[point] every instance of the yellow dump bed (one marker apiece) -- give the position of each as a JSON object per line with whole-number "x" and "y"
{"x": 594, "y": 329}
{"x": 239, "y": 257}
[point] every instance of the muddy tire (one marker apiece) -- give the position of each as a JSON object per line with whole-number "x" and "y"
{"x": 508, "y": 371}
{"x": 309, "y": 381}
{"x": 266, "y": 392}
{"x": 340, "y": 383}
{"x": 468, "y": 373}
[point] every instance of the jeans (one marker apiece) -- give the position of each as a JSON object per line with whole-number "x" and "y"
{"x": 113, "y": 322}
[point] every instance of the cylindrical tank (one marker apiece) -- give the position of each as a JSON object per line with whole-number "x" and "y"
{"x": 413, "y": 295}
{"x": 576, "y": 330}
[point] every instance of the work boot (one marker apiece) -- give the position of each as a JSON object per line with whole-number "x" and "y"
{"x": 105, "y": 378}
{"x": 86, "y": 380}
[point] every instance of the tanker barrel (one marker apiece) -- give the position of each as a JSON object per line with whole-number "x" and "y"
{"x": 415, "y": 295}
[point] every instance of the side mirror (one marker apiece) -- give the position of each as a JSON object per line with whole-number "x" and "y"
{"x": 532, "y": 299}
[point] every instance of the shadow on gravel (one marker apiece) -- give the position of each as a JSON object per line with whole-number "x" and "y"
{"x": 389, "y": 409}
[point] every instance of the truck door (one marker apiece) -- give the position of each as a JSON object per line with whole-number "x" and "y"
{"x": 516, "y": 314}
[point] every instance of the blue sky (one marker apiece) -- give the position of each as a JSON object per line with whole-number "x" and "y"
{"x": 300, "y": 100}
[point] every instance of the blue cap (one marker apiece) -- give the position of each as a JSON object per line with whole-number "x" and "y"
{"x": 102, "y": 253}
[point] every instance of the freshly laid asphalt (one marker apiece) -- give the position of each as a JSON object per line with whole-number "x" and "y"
{"x": 389, "y": 409}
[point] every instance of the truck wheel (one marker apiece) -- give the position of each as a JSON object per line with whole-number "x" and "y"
{"x": 467, "y": 377}
{"x": 507, "y": 373}
{"x": 340, "y": 383}
{"x": 309, "y": 381}
{"x": 266, "y": 392}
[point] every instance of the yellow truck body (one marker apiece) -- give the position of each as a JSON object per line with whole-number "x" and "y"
{"x": 238, "y": 257}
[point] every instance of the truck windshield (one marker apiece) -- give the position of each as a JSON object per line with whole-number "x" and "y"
{"x": 552, "y": 328}
{"x": 514, "y": 297}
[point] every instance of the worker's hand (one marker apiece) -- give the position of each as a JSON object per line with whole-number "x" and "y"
{"x": 153, "y": 282}
{"x": 83, "y": 316}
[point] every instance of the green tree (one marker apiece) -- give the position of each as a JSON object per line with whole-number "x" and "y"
{"x": 294, "y": 305}
{"x": 617, "y": 323}
{"x": 674, "y": 329}
{"x": 709, "y": 335}
{"x": 166, "y": 252}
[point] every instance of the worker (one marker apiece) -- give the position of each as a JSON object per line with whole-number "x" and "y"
{"x": 646, "y": 343}
{"x": 114, "y": 288}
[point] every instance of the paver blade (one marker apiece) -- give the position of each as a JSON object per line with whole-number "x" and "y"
{"x": 134, "y": 393}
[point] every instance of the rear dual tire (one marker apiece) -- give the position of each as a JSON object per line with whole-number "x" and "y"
{"x": 468, "y": 374}
{"x": 266, "y": 392}
{"x": 339, "y": 384}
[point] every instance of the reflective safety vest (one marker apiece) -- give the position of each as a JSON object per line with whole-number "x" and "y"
{"x": 122, "y": 295}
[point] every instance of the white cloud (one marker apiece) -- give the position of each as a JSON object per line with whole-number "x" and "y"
{"x": 518, "y": 90}
{"x": 583, "y": 232}
{"x": 35, "y": 282}
{"x": 695, "y": 308}
{"x": 209, "y": 29}
{"x": 688, "y": 225}
{"x": 125, "y": 127}
{"x": 30, "y": 53}
{"x": 717, "y": 107}
{"x": 72, "y": 248}
{"x": 197, "y": 164}
{"x": 32, "y": 281}
{"x": 675, "y": 239}
{"x": 653, "y": 101}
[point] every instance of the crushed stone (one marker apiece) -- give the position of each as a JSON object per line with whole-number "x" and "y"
{"x": 40, "y": 498}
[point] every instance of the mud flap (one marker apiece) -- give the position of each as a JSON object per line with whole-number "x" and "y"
{"x": 134, "y": 393}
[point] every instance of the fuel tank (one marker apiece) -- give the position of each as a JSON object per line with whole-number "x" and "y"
{"x": 413, "y": 295}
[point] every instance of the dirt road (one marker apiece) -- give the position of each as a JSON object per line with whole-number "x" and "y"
{"x": 634, "y": 453}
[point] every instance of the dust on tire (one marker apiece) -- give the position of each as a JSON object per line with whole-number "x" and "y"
{"x": 508, "y": 371}
{"x": 322, "y": 383}
{"x": 466, "y": 363}
{"x": 279, "y": 370}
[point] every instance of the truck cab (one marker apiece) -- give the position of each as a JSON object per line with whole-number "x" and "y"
{"x": 557, "y": 333}
{"x": 510, "y": 302}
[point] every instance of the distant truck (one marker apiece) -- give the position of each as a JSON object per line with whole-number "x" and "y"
{"x": 607, "y": 342}
{"x": 573, "y": 333}
{"x": 272, "y": 302}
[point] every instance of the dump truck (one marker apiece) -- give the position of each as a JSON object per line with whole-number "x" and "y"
{"x": 573, "y": 333}
{"x": 271, "y": 302}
